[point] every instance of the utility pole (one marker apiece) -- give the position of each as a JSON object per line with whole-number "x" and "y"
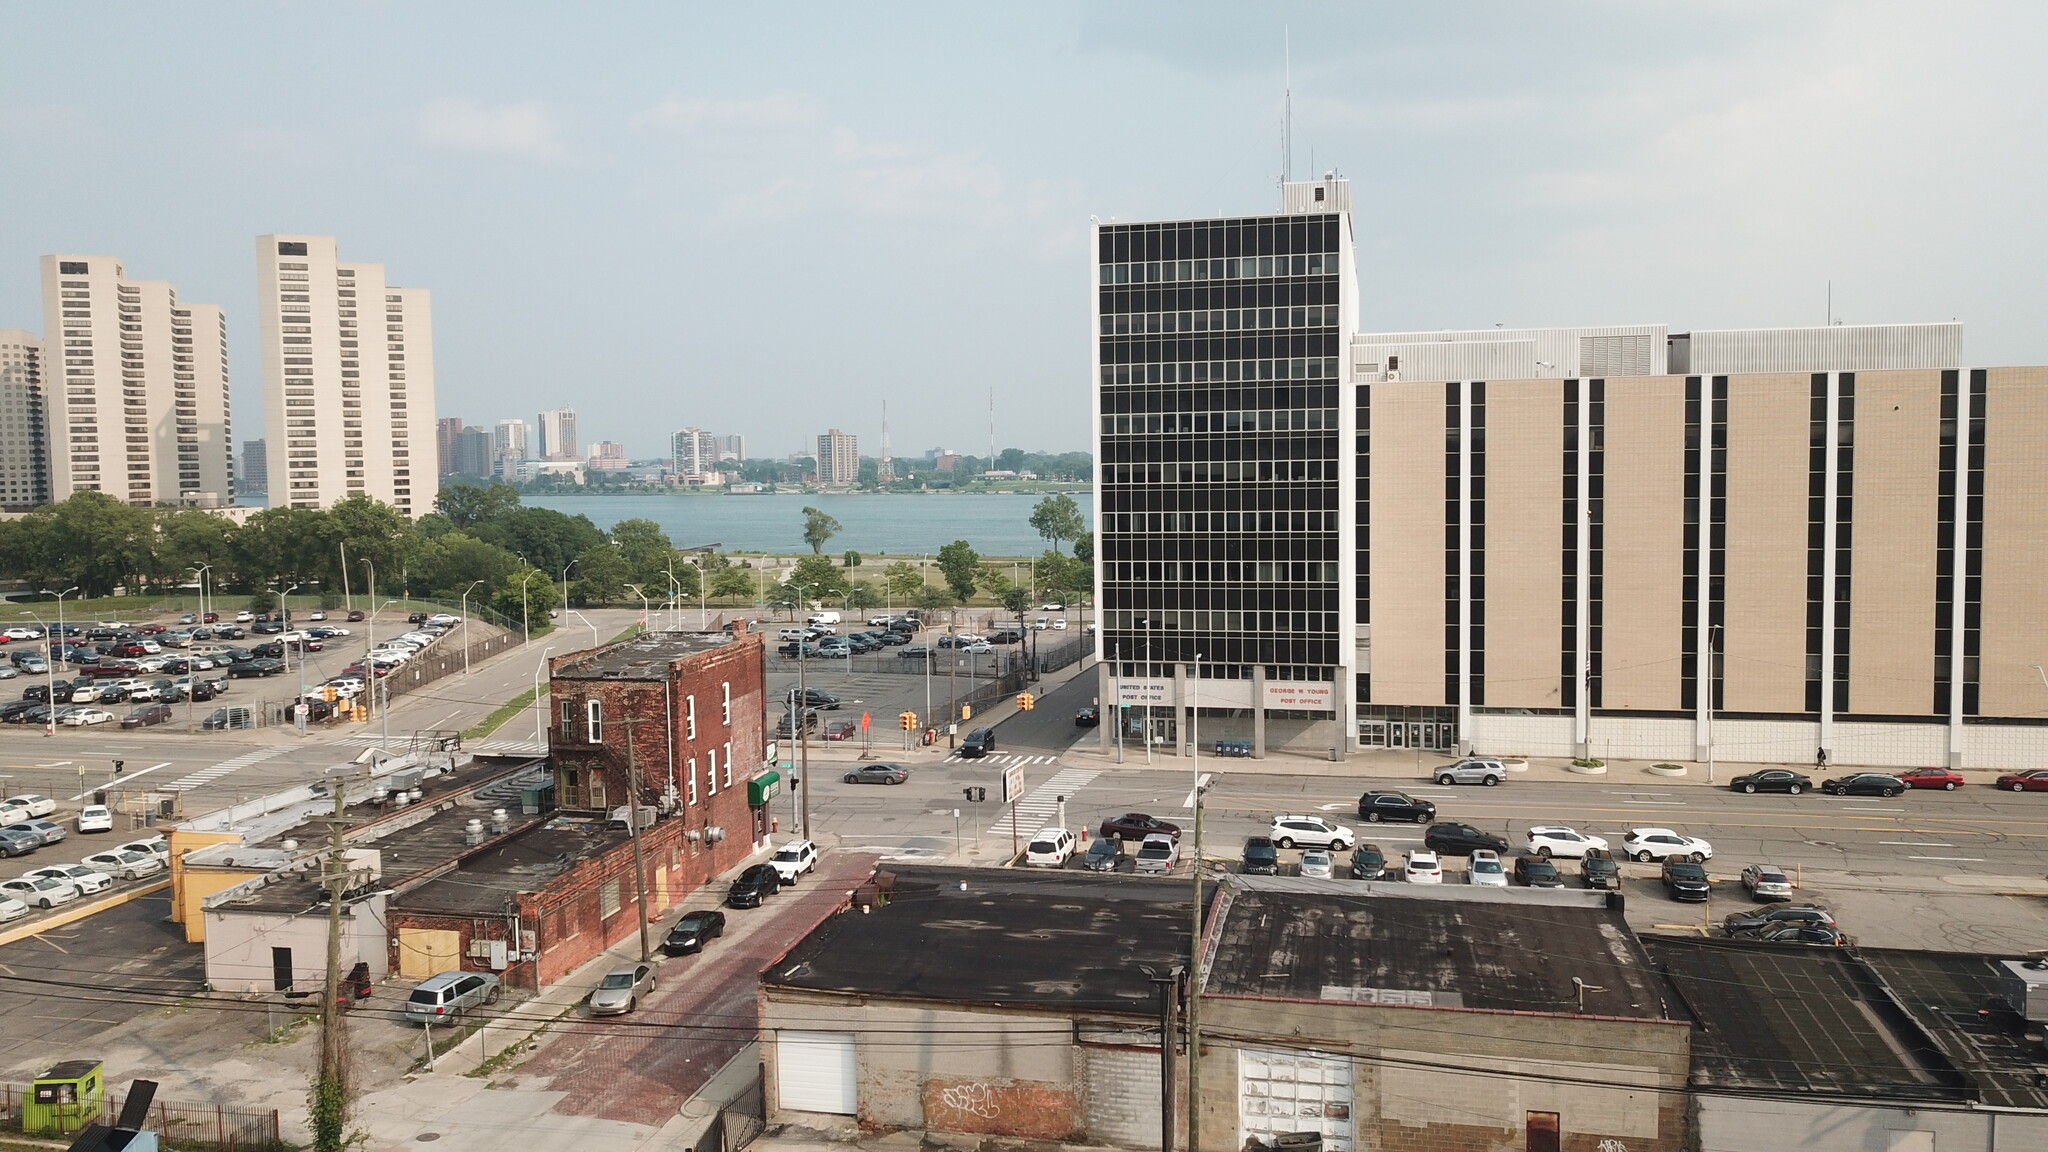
{"x": 1194, "y": 998}
{"x": 633, "y": 830}
{"x": 331, "y": 1092}
{"x": 1165, "y": 984}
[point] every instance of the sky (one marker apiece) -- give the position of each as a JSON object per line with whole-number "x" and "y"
{"x": 771, "y": 219}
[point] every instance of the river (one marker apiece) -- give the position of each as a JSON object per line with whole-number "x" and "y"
{"x": 997, "y": 524}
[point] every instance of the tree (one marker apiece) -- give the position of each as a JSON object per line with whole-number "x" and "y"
{"x": 1059, "y": 574}
{"x": 961, "y": 564}
{"x": 468, "y": 505}
{"x": 818, "y": 528}
{"x": 547, "y": 538}
{"x": 1017, "y": 600}
{"x": 646, "y": 550}
{"x": 863, "y": 595}
{"x": 931, "y": 597}
{"x": 732, "y": 584}
{"x": 903, "y": 579}
{"x": 1058, "y": 518}
{"x": 852, "y": 558}
{"x": 815, "y": 578}
{"x": 1084, "y": 548}
{"x": 601, "y": 576}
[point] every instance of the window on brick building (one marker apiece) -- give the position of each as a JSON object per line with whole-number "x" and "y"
{"x": 711, "y": 777}
{"x": 608, "y": 899}
{"x": 691, "y": 790}
{"x": 728, "y": 764}
{"x": 594, "y": 716}
{"x": 690, "y": 717}
{"x": 568, "y": 724}
{"x": 725, "y": 705}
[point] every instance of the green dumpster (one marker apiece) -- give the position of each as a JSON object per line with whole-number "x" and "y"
{"x": 64, "y": 1099}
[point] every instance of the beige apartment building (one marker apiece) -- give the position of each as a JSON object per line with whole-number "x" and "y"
{"x": 838, "y": 458}
{"x": 136, "y": 388}
{"x": 24, "y": 454}
{"x": 348, "y": 379}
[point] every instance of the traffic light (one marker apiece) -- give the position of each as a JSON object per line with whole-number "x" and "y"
{"x": 909, "y": 721}
{"x": 1026, "y": 701}
{"x": 327, "y": 693}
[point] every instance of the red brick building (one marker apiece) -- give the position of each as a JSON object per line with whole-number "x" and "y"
{"x": 679, "y": 714}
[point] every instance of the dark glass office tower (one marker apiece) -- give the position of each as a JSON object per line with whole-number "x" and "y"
{"x": 1223, "y": 451}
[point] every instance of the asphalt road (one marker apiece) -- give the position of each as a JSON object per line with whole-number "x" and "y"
{"x": 60, "y": 990}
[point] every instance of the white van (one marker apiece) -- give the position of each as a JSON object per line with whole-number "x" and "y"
{"x": 822, "y": 618}
{"x": 793, "y": 634}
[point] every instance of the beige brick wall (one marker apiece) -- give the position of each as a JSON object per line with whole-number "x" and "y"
{"x": 1897, "y": 473}
{"x": 2015, "y": 633}
{"x": 1765, "y": 630}
{"x": 1408, "y": 543}
{"x": 1524, "y": 538}
{"x": 1644, "y": 543}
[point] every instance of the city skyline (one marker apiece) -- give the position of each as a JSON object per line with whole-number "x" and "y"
{"x": 1709, "y": 168}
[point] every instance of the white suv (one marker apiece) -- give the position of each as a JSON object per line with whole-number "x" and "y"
{"x": 1311, "y": 832}
{"x": 794, "y": 859}
{"x": 1050, "y": 848}
{"x": 1557, "y": 840}
{"x": 1487, "y": 772}
{"x": 1647, "y": 844}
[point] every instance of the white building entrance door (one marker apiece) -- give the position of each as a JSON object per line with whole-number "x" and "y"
{"x": 1280, "y": 1092}
{"x": 815, "y": 1072}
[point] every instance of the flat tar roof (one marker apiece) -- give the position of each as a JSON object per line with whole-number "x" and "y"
{"x": 1373, "y": 944}
{"x": 642, "y": 657}
{"x": 486, "y": 882}
{"x": 1955, "y": 998}
{"x": 1800, "y": 1020}
{"x": 1058, "y": 939}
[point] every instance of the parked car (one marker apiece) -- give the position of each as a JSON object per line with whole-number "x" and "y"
{"x": 1368, "y": 862}
{"x": 2031, "y": 780}
{"x": 978, "y": 744}
{"x": 82, "y": 717}
{"x": 1311, "y": 832}
{"x": 1647, "y": 844}
{"x": 1812, "y": 935}
{"x": 33, "y": 805}
{"x": 1598, "y": 869}
{"x": 752, "y": 886}
{"x": 1088, "y": 717}
{"x": 11, "y": 909}
{"x": 1749, "y": 923}
{"x": 1453, "y": 839}
{"x": 1259, "y": 857}
{"x": 788, "y": 725}
{"x": 621, "y": 989}
{"x": 1472, "y": 771}
{"x": 693, "y": 931}
{"x": 1158, "y": 852}
{"x": 1946, "y": 779}
{"x": 39, "y": 891}
{"x": 1422, "y": 868}
{"x": 843, "y": 730}
{"x": 876, "y": 774}
{"x": 1485, "y": 870}
{"x": 1538, "y": 872}
{"x": 123, "y": 864}
{"x": 1135, "y": 826}
{"x": 793, "y": 859}
{"x": 439, "y": 999}
{"x": 1686, "y": 881}
{"x": 818, "y": 698}
{"x": 1315, "y": 864}
{"x": 1547, "y": 840}
{"x": 915, "y": 652}
{"x": 1374, "y": 807}
{"x": 1772, "y": 780}
{"x": 95, "y": 818}
{"x": 156, "y": 846}
{"x": 48, "y": 831}
{"x": 355, "y": 616}
{"x": 1049, "y": 848}
{"x": 148, "y": 715}
{"x": 1103, "y": 855}
{"x": 86, "y": 880}
{"x": 1767, "y": 882}
{"x": 14, "y": 843}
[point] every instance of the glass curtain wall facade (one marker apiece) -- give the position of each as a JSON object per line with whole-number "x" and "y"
{"x": 1221, "y": 442}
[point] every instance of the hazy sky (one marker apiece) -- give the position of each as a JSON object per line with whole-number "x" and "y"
{"x": 769, "y": 219}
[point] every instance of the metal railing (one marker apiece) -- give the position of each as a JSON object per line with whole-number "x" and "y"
{"x": 181, "y": 1125}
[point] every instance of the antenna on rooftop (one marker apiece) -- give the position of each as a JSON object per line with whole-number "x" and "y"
{"x": 885, "y": 469}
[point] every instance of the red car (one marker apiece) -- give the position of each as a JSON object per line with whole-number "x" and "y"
{"x": 2032, "y": 780}
{"x": 1942, "y": 778}
{"x": 211, "y": 618}
{"x": 151, "y": 630}
{"x": 843, "y": 730}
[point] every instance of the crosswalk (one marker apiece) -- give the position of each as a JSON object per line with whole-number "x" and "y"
{"x": 1006, "y": 760}
{"x": 1039, "y": 806}
{"x": 228, "y": 767}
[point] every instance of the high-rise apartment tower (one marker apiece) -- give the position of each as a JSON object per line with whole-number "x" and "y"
{"x": 348, "y": 378}
{"x": 838, "y": 458}
{"x": 558, "y": 435}
{"x": 24, "y": 430}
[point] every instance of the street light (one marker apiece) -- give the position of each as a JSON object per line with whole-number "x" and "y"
{"x": 202, "y": 570}
{"x": 370, "y": 677}
{"x": 565, "y": 584}
{"x": 50, "y": 666}
{"x": 539, "y": 712}
{"x": 465, "y": 624}
{"x": 646, "y": 609}
{"x": 594, "y": 641}
{"x": 298, "y": 705}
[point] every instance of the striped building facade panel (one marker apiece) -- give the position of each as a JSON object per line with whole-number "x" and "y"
{"x": 2015, "y": 610}
{"x": 1408, "y": 543}
{"x": 1766, "y": 588}
{"x": 1891, "y": 619}
{"x": 1644, "y": 538}
{"x": 1524, "y": 564}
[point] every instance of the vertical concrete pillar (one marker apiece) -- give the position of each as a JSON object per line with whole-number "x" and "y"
{"x": 1107, "y": 711}
{"x": 1180, "y": 709}
{"x": 1259, "y": 712}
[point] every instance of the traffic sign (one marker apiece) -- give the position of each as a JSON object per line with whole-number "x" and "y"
{"x": 865, "y": 718}
{"x": 1013, "y": 784}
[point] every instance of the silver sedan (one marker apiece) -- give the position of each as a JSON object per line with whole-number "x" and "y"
{"x": 621, "y": 989}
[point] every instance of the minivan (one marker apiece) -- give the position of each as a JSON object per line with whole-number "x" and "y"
{"x": 446, "y": 996}
{"x": 979, "y": 743}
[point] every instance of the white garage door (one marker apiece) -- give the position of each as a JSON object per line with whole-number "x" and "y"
{"x": 1280, "y": 1092}
{"x": 816, "y": 1071}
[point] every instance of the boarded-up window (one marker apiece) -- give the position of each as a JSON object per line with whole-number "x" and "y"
{"x": 608, "y": 899}
{"x": 1542, "y": 1132}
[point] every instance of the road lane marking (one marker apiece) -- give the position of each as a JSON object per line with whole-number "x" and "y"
{"x": 125, "y": 776}
{"x": 57, "y": 764}
{"x": 1658, "y": 803}
{"x": 1918, "y": 843}
{"x": 1956, "y": 859}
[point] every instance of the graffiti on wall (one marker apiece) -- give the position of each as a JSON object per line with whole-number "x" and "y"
{"x": 998, "y": 1107}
